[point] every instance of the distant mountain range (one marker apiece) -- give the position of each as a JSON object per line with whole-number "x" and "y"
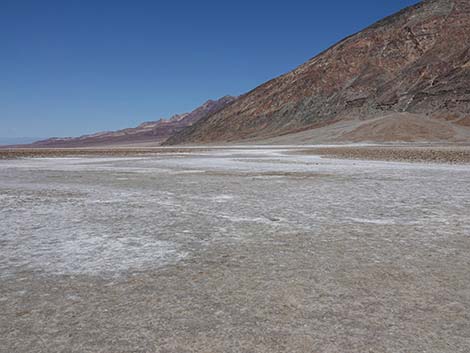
{"x": 405, "y": 78}
{"x": 17, "y": 140}
{"x": 148, "y": 133}
{"x": 408, "y": 74}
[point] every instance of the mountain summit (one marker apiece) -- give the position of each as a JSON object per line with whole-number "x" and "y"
{"x": 408, "y": 71}
{"x": 152, "y": 132}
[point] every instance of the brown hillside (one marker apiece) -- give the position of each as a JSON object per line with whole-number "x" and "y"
{"x": 416, "y": 61}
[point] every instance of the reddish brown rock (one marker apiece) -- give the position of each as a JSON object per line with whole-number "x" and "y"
{"x": 416, "y": 61}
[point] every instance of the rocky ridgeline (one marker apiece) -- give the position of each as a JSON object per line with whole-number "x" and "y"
{"x": 416, "y": 61}
{"x": 152, "y": 132}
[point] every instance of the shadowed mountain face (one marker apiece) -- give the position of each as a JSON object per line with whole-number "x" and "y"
{"x": 416, "y": 61}
{"x": 153, "y": 132}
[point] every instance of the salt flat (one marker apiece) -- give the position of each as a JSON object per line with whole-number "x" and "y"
{"x": 233, "y": 250}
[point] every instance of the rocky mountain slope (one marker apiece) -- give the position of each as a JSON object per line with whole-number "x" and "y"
{"x": 416, "y": 61}
{"x": 153, "y": 132}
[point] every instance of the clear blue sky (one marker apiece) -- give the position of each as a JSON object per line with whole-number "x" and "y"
{"x": 74, "y": 67}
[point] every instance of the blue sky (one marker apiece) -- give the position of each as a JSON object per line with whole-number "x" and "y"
{"x": 73, "y": 67}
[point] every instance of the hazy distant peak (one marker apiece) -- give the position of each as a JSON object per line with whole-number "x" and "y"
{"x": 151, "y": 132}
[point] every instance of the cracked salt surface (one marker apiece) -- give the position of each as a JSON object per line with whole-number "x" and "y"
{"x": 112, "y": 216}
{"x": 89, "y": 233}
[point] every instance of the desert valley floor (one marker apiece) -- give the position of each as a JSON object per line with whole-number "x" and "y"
{"x": 233, "y": 250}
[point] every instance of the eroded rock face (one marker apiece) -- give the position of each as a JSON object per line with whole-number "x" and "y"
{"x": 148, "y": 132}
{"x": 416, "y": 61}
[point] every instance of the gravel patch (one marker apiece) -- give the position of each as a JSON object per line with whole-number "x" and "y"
{"x": 395, "y": 153}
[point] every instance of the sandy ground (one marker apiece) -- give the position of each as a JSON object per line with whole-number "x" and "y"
{"x": 233, "y": 250}
{"x": 390, "y": 128}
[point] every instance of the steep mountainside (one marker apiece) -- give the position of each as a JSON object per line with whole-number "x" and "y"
{"x": 416, "y": 61}
{"x": 148, "y": 132}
